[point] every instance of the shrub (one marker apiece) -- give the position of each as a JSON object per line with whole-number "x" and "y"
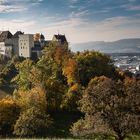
{"x": 32, "y": 98}
{"x": 32, "y": 122}
{"x": 9, "y": 112}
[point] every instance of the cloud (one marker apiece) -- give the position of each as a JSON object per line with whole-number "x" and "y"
{"x": 131, "y": 0}
{"x": 8, "y": 6}
{"x": 18, "y": 1}
{"x": 14, "y": 25}
{"x": 78, "y": 30}
{"x": 79, "y": 13}
{"x": 131, "y": 6}
{"x": 81, "y": 21}
{"x": 134, "y": 8}
{"x": 73, "y": 1}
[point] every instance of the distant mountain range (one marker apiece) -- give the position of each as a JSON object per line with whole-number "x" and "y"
{"x": 121, "y": 46}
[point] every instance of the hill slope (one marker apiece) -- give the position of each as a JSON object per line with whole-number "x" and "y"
{"x": 120, "y": 46}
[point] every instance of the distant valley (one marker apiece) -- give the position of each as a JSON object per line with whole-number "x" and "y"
{"x": 120, "y": 46}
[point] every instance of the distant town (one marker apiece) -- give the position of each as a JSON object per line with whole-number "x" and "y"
{"x": 26, "y": 45}
{"x": 127, "y": 62}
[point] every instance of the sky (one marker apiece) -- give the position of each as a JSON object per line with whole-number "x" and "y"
{"x": 79, "y": 20}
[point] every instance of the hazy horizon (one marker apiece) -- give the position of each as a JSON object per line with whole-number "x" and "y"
{"x": 79, "y": 20}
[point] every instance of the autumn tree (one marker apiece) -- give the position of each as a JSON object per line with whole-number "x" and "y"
{"x": 32, "y": 122}
{"x": 35, "y": 97}
{"x": 81, "y": 68}
{"x": 34, "y": 119}
{"x": 107, "y": 110}
{"x": 51, "y": 75}
{"x": 132, "y": 93}
{"x": 47, "y": 73}
{"x": 70, "y": 71}
{"x": 93, "y": 63}
{"x": 9, "y": 112}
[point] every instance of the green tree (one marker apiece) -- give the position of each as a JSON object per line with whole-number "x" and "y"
{"x": 7, "y": 70}
{"x": 22, "y": 79}
{"x": 91, "y": 64}
{"x": 48, "y": 73}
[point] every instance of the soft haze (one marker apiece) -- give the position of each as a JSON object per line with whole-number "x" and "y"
{"x": 79, "y": 20}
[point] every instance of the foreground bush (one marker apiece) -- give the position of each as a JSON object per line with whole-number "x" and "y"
{"x": 110, "y": 109}
{"x": 32, "y": 122}
{"x": 9, "y": 112}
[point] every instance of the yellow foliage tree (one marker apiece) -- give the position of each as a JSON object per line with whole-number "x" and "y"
{"x": 9, "y": 112}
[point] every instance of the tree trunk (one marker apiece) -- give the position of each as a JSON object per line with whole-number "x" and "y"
{"x": 120, "y": 137}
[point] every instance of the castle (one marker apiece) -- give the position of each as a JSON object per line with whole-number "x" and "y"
{"x": 26, "y": 45}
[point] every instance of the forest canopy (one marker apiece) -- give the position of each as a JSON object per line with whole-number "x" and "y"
{"x": 84, "y": 89}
